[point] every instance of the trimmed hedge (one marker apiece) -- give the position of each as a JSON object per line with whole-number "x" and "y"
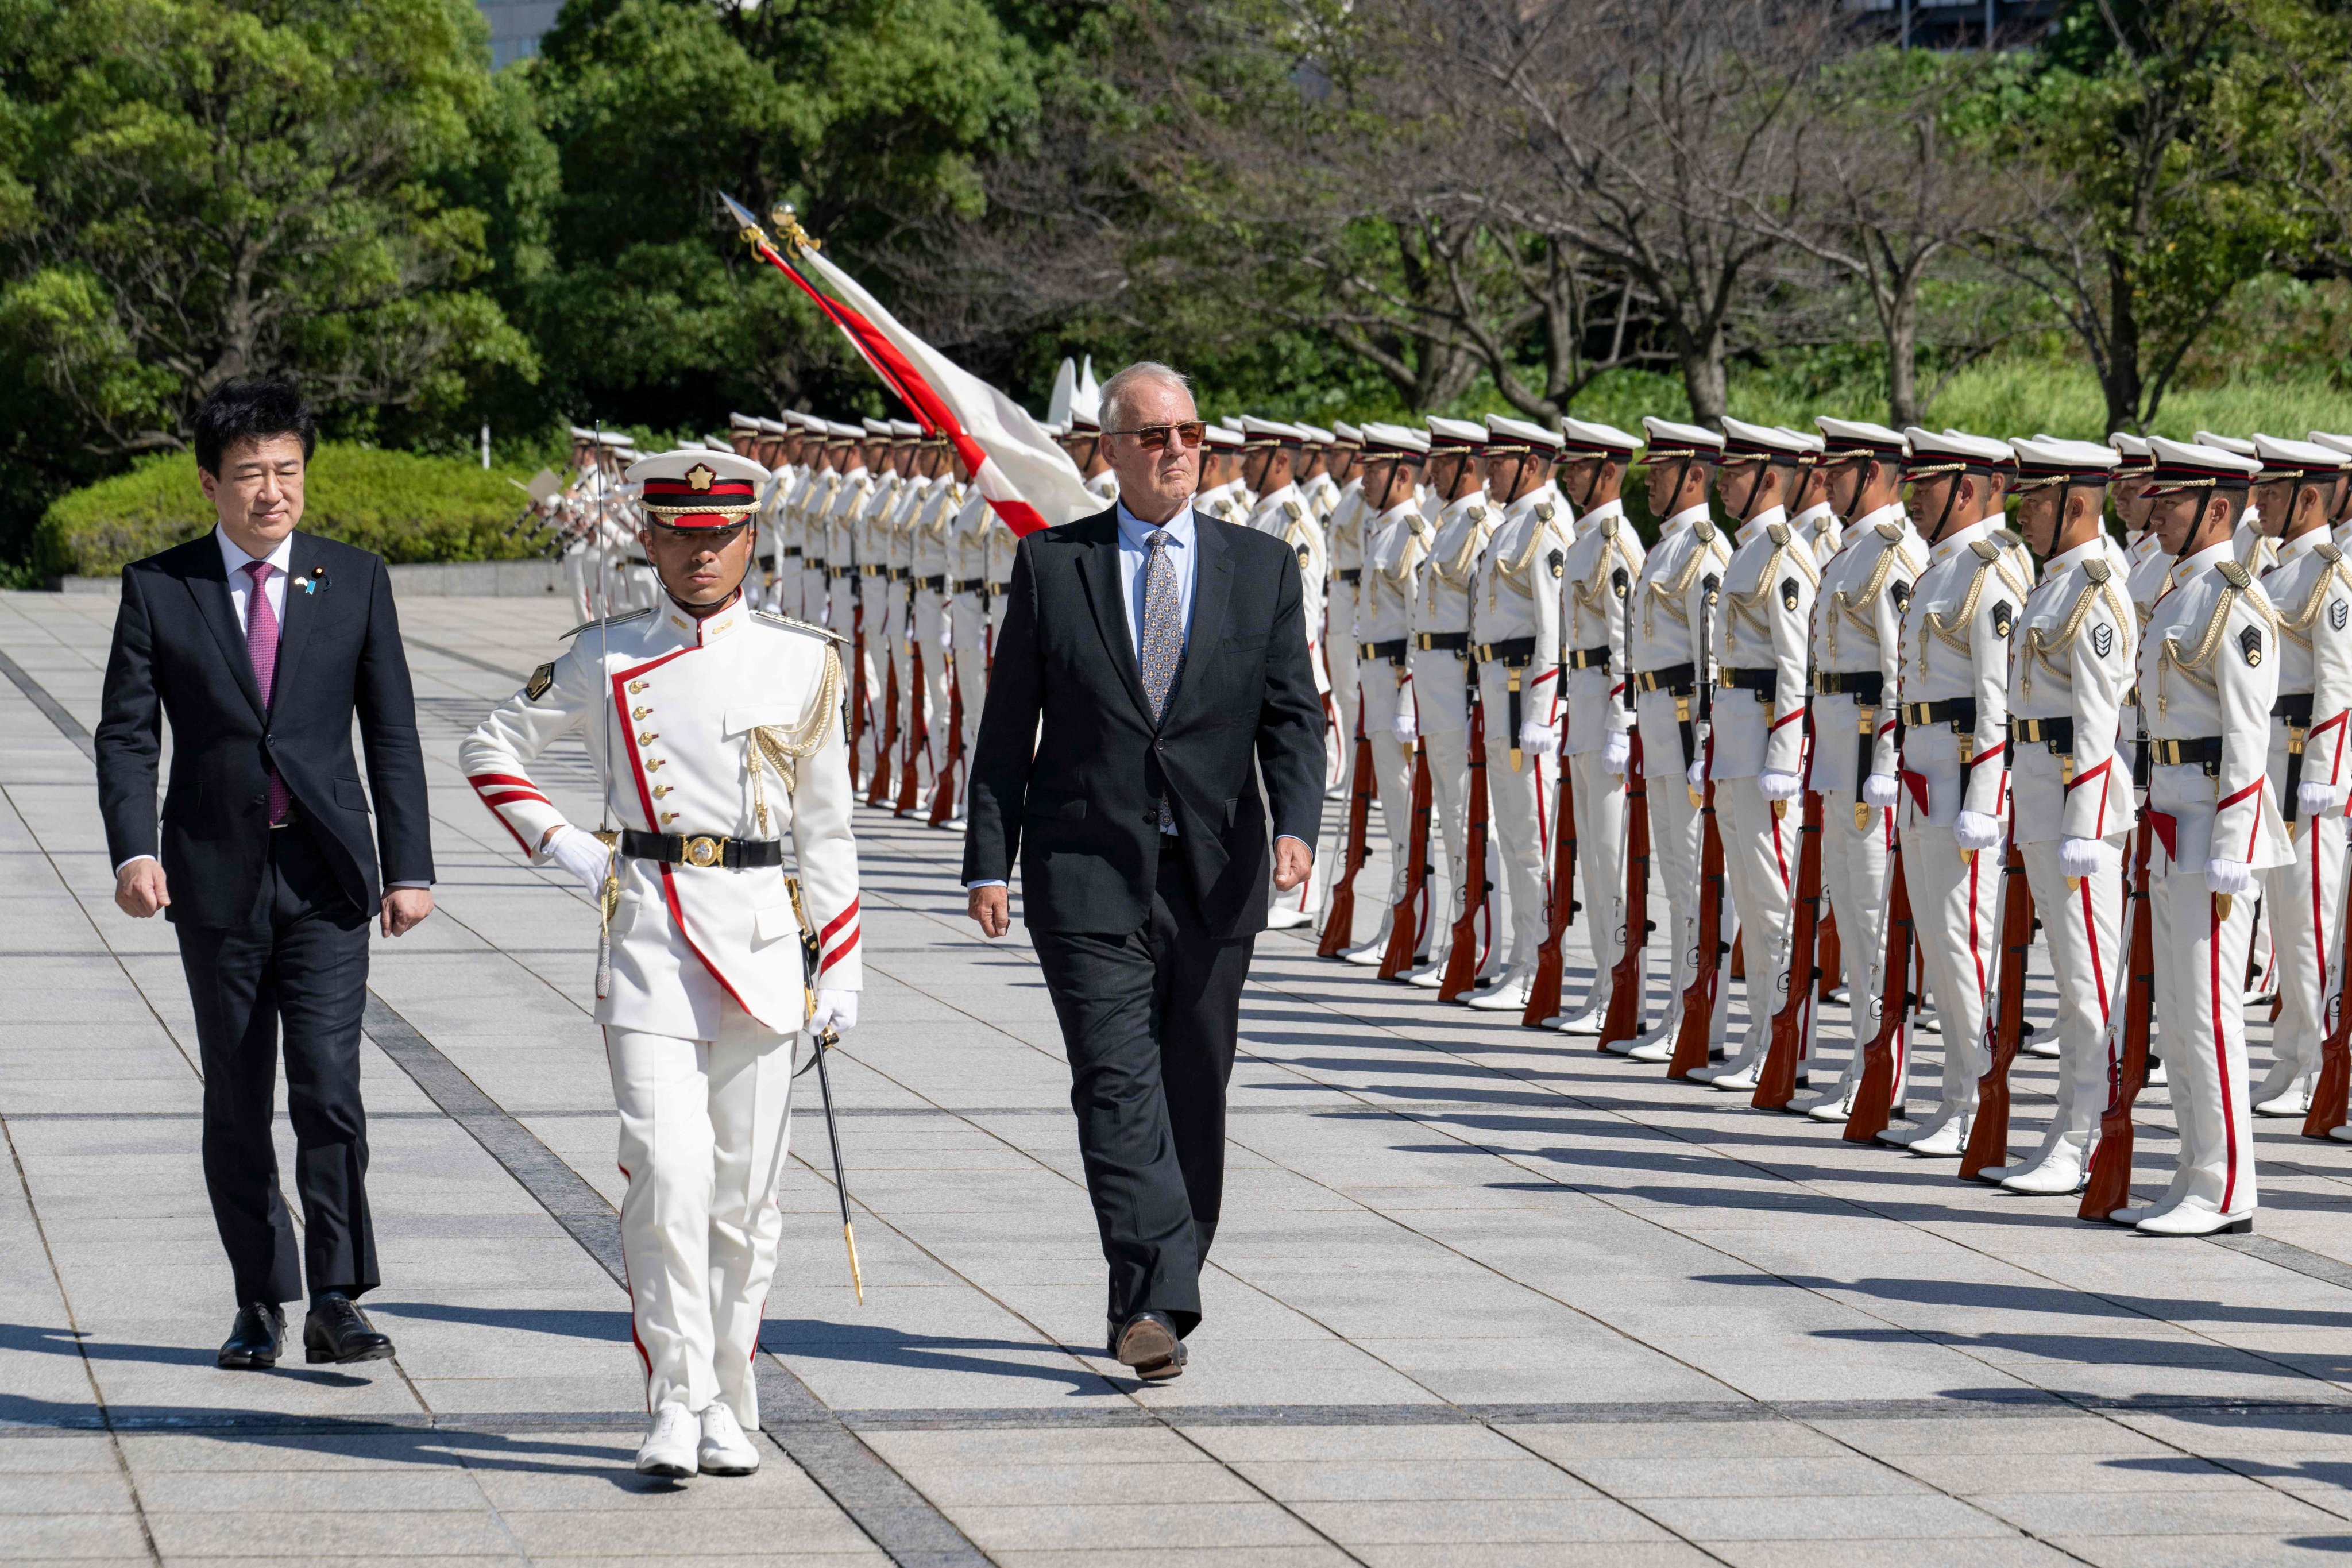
{"x": 403, "y": 507}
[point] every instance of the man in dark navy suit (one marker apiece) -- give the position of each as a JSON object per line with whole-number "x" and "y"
{"x": 1152, "y": 671}
{"x": 259, "y": 644}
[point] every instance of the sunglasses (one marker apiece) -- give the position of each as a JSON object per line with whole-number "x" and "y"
{"x": 1154, "y": 437}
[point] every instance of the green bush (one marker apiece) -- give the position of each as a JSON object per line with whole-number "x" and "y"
{"x": 403, "y": 507}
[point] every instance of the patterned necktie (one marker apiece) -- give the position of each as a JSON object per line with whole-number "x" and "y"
{"x": 261, "y": 647}
{"x": 1163, "y": 636}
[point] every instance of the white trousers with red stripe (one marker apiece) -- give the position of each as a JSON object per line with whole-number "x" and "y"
{"x": 1760, "y": 868}
{"x": 1440, "y": 686}
{"x": 1674, "y": 833}
{"x": 704, "y": 1127}
{"x": 1956, "y": 910}
{"x": 1601, "y": 866}
{"x": 930, "y": 620}
{"x": 1522, "y": 806}
{"x": 1391, "y": 774}
{"x": 1855, "y": 877}
{"x": 2305, "y": 904}
{"x": 2201, "y": 999}
{"x": 2083, "y": 926}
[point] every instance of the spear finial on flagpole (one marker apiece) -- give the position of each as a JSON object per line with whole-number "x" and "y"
{"x": 789, "y": 225}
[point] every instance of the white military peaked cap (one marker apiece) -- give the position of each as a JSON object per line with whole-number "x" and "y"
{"x": 841, "y": 432}
{"x": 1220, "y": 437}
{"x": 905, "y": 429}
{"x": 2333, "y": 443}
{"x": 742, "y": 422}
{"x": 1938, "y": 451}
{"x": 1257, "y": 432}
{"x": 1395, "y": 437}
{"x": 879, "y": 429}
{"x": 1455, "y": 431}
{"x": 1669, "y": 438}
{"x": 694, "y": 487}
{"x": 1503, "y": 429}
{"x": 2185, "y": 465}
{"x": 2052, "y": 459}
{"x": 1346, "y": 435}
{"x": 2281, "y": 457}
{"x": 2243, "y": 447}
{"x": 1318, "y": 435}
{"x": 1858, "y": 439}
{"x": 1592, "y": 437}
{"x": 1746, "y": 442}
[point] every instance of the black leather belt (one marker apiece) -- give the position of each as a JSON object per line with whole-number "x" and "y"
{"x": 1393, "y": 650}
{"x": 969, "y": 585}
{"x": 639, "y": 561}
{"x": 898, "y": 574}
{"x": 1589, "y": 657}
{"x": 883, "y": 571}
{"x": 767, "y": 563}
{"x": 791, "y": 551}
{"x": 1865, "y": 686}
{"x": 702, "y": 850}
{"x": 841, "y": 571}
{"x": 1349, "y": 574}
{"x": 1673, "y": 680}
{"x": 2294, "y": 707}
{"x": 1511, "y": 652}
{"x": 2204, "y": 751}
{"x": 1442, "y": 642}
{"x": 1961, "y": 712}
{"x": 2058, "y": 734}
{"x": 1764, "y": 683}
{"x": 938, "y": 584}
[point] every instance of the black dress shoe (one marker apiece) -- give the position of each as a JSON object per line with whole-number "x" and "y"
{"x": 1150, "y": 1345}
{"x": 337, "y": 1331}
{"x": 256, "y": 1338}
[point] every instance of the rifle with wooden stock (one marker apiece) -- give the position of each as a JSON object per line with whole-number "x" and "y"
{"x": 2328, "y": 1091}
{"x": 1989, "y": 1138}
{"x": 858, "y": 695}
{"x": 1461, "y": 954}
{"x": 1695, "y": 1039}
{"x": 943, "y": 798}
{"x": 1559, "y": 908}
{"x": 1339, "y": 923}
{"x": 1624, "y": 1019}
{"x": 886, "y": 737}
{"x": 1874, "y": 1097}
{"x": 1775, "y": 1081}
{"x": 2108, "y": 1186}
{"x": 919, "y": 729}
{"x": 1412, "y": 905}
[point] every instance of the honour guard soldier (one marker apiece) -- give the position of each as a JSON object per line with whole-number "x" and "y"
{"x": 2207, "y": 680}
{"x": 779, "y": 539}
{"x": 2248, "y": 540}
{"x": 1343, "y": 535}
{"x": 2069, "y": 777}
{"x": 1954, "y": 747}
{"x": 1857, "y": 636}
{"x": 1396, "y": 553}
{"x": 1515, "y": 598}
{"x": 932, "y": 536}
{"x": 1327, "y": 458}
{"x": 1604, "y": 561}
{"x": 718, "y": 732}
{"x": 1672, "y": 616}
{"x": 884, "y": 560}
{"x": 856, "y": 479}
{"x": 1814, "y": 519}
{"x": 1271, "y": 453}
{"x": 1763, "y": 627}
{"x": 1440, "y": 658}
{"x": 1222, "y": 495}
{"x": 2311, "y": 588}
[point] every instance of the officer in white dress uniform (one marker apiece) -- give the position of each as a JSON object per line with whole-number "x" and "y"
{"x": 2070, "y": 778}
{"x": 1672, "y": 615}
{"x": 2311, "y": 588}
{"x": 931, "y": 534}
{"x": 1857, "y": 636}
{"x": 1343, "y": 521}
{"x": 720, "y": 727}
{"x": 1515, "y": 599}
{"x": 1604, "y": 561}
{"x": 1954, "y": 752}
{"x": 982, "y": 546}
{"x": 1272, "y": 452}
{"x": 2207, "y": 680}
{"x": 1763, "y": 627}
{"x": 1395, "y": 556}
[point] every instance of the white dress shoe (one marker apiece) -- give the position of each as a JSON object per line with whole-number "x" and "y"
{"x": 2341, "y": 1134}
{"x": 1735, "y": 1079}
{"x": 1657, "y": 1049}
{"x": 1924, "y": 1022}
{"x": 1368, "y": 956}
{"x": 669, "y": 1448}
{"x": 724, "y": 1449}
{"x": 2196, "y": 1219}
{"x": 1841, "y": 997}
{"x": 2156, "y": 1077}
{"x": 2060, "y": 1173}
{"x": 2041, "y": 1043}
{"x": 1429, "y": 976}
{"x": 2295, "y": 1100}
{"x": 1507, "y": 995}
{"x": 1588, "y": 1021}
{"x": 1946, "y": 1139}
{"x": 1835, "y": 1106}
{"x": 1288, "y": 919}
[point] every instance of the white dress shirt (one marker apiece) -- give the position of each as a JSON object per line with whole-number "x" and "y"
{"x": 240, "y": 582}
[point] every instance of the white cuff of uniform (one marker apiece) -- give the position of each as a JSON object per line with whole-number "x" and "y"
{"x": 988, "y": 882}
{"x": 133, "y": 861}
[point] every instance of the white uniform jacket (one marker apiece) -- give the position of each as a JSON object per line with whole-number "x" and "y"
{"x": 1857, "y": 633}
{"x": 1670, "y": 596}
{"x": 2209, "y": 672}
{"x": 1818, "y": 526}
{"x": 1956, "y": 649}
{"x": 1395, "y": 552}
{"x": 2311, "y": 588}
{"x": 1763, "y": 625}
{"x": 2072, "y": 663}
{"x": 1343, "y": 535}
{"x": 1604, "y": 562}
{"x": 1462, "y": 532}
{"x": 730, "y": 727}
{"x": 1516, "y": 593}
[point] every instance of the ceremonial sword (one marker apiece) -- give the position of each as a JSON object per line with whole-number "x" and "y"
{"x": 824, "y": 1042}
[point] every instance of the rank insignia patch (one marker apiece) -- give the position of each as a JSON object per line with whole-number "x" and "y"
{"x": 541, "y": 680}
{"x": 2003, "y": 617}
{"x": 2250, "y": 643}
{"x": 2338, "y": 614}
{"x": 1621, "y": 581}
{"x": 2102, "y": 640}
{"x": 1901, "y": 593}
{"x": 1558, "y": 562}
{"x": 1788, "y": 592}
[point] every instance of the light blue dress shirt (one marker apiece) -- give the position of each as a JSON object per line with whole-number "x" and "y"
{"x": 1134, "y": 555}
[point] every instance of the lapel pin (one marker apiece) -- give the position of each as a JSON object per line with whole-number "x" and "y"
{"x": 315, "y": 581}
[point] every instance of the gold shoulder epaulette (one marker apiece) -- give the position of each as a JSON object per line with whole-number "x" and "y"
{"x": 2009, "y": 541}
{"x": 774, "y": 619}
{"x": 2098, "y": 571}
{"x": 609, "y": 621}
{"x": 1608, "y": 526}
{"x": 1543, "y": 511}
{"x": 1779, "y": 534}
{"x": 2328, "y": 553}
{"x": 1985, "y": 548}
{"x": 1704, "y": 530}
{"x": 1890, "y": 532}
{"x": 1290, "y": 510}
{"x": 2235, "y": 575}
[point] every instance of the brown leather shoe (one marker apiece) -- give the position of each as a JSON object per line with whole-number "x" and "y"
{"x": 1149, "y": 1344}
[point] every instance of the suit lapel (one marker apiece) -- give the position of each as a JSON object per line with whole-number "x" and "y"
{"x": 207, "y": 584}
{"x": 301, "y": 609}
{"x": 1098, "y": 569}
{"x": 1212, "y": 584}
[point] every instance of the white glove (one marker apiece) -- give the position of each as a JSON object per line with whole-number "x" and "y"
{"x": 1881, "y": 791}
{"x": 1699, "y": 773}
{"x": 2314, "y": 798}
{"x": 2084, "y": 857}
{"x": 2229, "y": 876}
{"x": 1537, "y": 739}
{"x": 837, "y": 1010}
{"x": 1404, "y": 726}
{"x": 1616, "y": 752}
{"x": 1778, "y": 787}
{"x": 1975, "y": 830}
{"x": 582, "y": 854}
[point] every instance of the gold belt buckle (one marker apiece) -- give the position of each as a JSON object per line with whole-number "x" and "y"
{"x": 705, "y": 850}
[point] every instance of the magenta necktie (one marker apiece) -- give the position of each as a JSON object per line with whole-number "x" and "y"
{"x": 261, "y": 647}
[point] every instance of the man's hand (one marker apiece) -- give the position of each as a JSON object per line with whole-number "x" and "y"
{"x": 992, "y": 908}
{"x": 403, "y": 907}
{"x": 1292, "y": 861}
{"x": 139, "y": 890}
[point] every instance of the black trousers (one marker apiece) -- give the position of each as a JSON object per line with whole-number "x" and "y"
{"x": 301, "y": 964}
{"x": 1148, "y": 1020}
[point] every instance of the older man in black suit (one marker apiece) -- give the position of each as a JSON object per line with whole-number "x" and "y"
{"x": 1152, "y": 669}
{"x": 259, "y": 644}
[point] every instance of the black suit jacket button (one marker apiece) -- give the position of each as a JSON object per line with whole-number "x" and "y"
{"x": 259, "y": 800}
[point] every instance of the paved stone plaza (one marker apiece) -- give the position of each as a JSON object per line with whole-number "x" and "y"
{"x": 1482, "y": 1297}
